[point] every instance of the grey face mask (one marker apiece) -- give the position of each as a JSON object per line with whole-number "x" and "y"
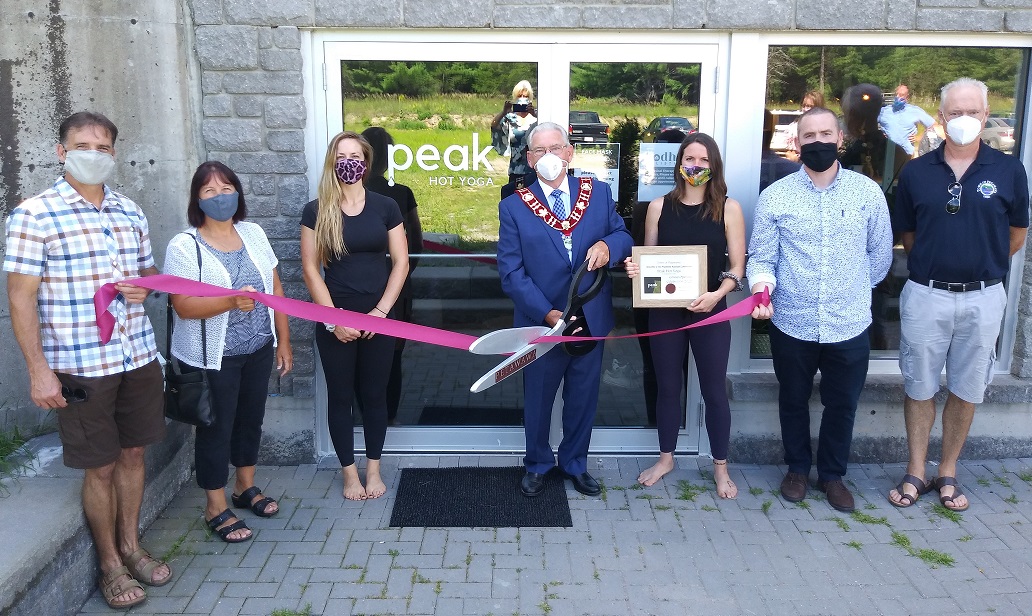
{"x": 89, "y": 166}
{"x": 220, "y": 207}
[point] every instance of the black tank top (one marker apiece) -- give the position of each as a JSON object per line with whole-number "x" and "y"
{"x": 684, "y": 225}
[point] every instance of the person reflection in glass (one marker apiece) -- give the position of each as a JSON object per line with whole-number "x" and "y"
{"x": 772, "y": 166}
{"x": 516, "y": 119}
{"x": 869, "y": 151}
{"x": 380, "y": 139}
{"x": 697, "y": 212}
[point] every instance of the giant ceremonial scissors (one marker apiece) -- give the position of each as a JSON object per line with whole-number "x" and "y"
{"x": 520, "y": 340}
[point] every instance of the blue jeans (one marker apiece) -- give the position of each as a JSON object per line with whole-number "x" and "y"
{"x": 843, "y": 367}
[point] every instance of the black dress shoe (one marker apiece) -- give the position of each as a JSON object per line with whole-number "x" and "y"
{"x": 584, "y": 483}
{"x": 532, "y": 484}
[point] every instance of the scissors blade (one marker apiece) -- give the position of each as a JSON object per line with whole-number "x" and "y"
{"x": 517, "y": 361}
{"x": 507, "y": 340}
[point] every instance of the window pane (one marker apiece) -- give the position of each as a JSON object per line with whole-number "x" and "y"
{"x": 623, "y": 113}
{"x": 856, "y": 83}
{"x": 440, "y": 117}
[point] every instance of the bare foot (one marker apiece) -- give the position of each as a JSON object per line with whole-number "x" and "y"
{"x": 375, "y": 487}
{"x": 655, "y": 472}
{"x": 353, "y": 489}
{"x": 725, "y": 487}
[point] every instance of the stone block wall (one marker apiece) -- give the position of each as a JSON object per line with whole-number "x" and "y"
{"x": 253, "y": 120}
{"x": 254, "y": 111}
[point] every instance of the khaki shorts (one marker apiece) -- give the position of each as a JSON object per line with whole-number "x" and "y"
{"x": 957, "y": 331}
{"x": 120, "y": 411}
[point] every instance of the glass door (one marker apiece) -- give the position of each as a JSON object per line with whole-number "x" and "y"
{"x": 454, "y": 111}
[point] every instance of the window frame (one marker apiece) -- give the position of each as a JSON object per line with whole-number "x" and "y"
{"x": 749, "y": 53}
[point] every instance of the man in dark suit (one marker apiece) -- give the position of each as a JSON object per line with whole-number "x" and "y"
{"x": 546, "y": 231}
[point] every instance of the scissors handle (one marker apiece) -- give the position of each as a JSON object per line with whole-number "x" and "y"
{"x": 576, "y": 300}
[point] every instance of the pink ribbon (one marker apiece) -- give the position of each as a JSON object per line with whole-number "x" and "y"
{"x": 390, "y": 327}
{"x": 741, "y": 309}
{"x": 294, "y": 307}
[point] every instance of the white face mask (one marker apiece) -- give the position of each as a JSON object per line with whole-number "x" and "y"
{"x": 964, "y": 130}
{"x": 89, "y": 166}
{"x": 549, "y": 167}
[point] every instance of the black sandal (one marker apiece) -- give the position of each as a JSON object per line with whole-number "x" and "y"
{"x": 259, "y": 508}
{"x": 224, "y": 531}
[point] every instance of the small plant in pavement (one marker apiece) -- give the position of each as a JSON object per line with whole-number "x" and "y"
{"x": 307, "y": 611}
{"x": 945, "y": 512}
{"x": 864, "y": 518}
{"x": 932, "y": 557}
{"x": 841, "y": 523}
{"x": 688, "y": 491}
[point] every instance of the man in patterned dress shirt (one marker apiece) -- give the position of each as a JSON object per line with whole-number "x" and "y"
{"x": 821, "y": 241}
{"x": 62, "y": 245}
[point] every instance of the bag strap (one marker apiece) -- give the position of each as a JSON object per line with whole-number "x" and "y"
{"x": 168, "y": 310}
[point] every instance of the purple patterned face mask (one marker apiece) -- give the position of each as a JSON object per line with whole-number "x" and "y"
{"x": 350, "y": 170}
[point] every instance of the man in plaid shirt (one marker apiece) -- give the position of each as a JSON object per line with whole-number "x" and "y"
{"x": 62, "y": 245}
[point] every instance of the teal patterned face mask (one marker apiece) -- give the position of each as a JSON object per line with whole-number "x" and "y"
{"x": 696, "y": 175}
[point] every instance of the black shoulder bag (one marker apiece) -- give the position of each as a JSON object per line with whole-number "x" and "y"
{"x": 187, "y": 397}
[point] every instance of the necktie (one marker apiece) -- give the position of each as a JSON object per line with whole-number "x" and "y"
{"x": 558, "y": 207}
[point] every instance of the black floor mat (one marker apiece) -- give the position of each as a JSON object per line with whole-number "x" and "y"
{"x": 477, "y": 497}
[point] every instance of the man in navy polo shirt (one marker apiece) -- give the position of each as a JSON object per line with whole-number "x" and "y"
{"x": 962, "y": 210}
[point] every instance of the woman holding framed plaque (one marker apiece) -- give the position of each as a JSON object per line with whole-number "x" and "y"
{"x": 696, "y": 213}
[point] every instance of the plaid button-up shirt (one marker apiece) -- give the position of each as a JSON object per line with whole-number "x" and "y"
{"x": 75, "y": 248}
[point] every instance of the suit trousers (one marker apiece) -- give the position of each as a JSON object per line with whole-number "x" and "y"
{"x": 541, "y": 381}
{"x": 843, "y": 368}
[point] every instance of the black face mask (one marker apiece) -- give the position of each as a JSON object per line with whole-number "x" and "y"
{"x": 818, "y": 156}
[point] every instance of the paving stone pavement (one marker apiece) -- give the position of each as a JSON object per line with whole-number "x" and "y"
{"x": 674, "y": 548}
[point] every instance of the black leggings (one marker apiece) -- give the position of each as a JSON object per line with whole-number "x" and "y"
{"x": 365, "y": 361}
{"x": 238, "y": 394}
{"x": 711, "y": 345}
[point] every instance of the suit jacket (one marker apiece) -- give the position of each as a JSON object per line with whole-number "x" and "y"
{"x": 532, "y": 261}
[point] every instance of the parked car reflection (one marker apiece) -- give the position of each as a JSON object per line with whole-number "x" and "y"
{"x": 664, "y": 123}
{"x": 999, "y": 134}
{"x": 784, "y": 129}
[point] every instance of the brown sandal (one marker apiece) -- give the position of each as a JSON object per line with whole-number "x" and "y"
{"x": 118, "y": 582}
{"x": 906, "y": 500}
{"x": 145, "y": 572}
{"x": 942, "y": 482}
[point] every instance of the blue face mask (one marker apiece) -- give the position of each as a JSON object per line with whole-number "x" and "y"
{"x": 220, "y": 207}
{"x": 899, "y": 104}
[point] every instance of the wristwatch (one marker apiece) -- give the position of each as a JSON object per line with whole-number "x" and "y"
{"x": 329, "y": 327}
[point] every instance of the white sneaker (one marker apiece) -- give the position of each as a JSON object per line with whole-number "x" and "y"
{"x": 620, "y": 374}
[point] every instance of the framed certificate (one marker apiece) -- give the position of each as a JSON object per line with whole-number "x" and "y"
{"x": 671, "y": 276}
